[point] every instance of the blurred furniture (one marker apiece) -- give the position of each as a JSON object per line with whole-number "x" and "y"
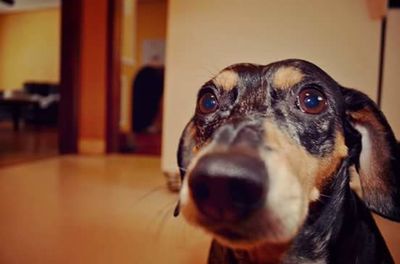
{"x": 13, "y": 104}
{"x": 36, "y": 103}
{"x": 47, "y": 97}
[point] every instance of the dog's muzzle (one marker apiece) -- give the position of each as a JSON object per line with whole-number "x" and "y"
{"x": 228, "y": 186}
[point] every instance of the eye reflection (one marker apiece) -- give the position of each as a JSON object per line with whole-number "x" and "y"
{"x": 208, "y": 103}
{"x": 311, "y": 101}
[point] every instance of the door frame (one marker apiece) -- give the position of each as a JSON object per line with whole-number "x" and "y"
{"x": 71, "y": 27}
{"x": 113, "y": 98}
{"x": 71, "y": 37}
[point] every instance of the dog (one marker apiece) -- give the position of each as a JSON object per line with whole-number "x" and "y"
{"x": 265, "y": 164}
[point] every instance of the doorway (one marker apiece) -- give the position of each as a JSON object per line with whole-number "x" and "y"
{"x": 142, "y": 57}
{"x": 30, "y": 37}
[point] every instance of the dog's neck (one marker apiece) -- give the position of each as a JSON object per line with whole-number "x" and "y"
{"x": 265, "y": 253}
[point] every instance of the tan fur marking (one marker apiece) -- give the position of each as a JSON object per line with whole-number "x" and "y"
{"x": 375, "y": 154}
{"x": 365, "y": 115}
{"x": 330, "y": 164}
{"x": 318, "y": 170}
{"x": 226, "y": 80}
{"x": 190, "y": 138}
{"x": 314, "y": 195}
{"x": 355, "y": 183}
{"x": 286, "y": 77}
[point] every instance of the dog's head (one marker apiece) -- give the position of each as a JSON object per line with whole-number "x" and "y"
{"x": 264, "y": 143}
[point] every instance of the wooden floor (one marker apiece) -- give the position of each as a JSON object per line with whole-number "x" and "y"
{"x": 28, "y": 144}
{"x": 113, "y": 209}
{"x": 93, "y": 210}
{"x": 141, "y": 143}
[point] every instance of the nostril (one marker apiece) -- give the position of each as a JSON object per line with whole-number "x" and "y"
{"x": 245, "y": 193}
{"x": 200, "y": 190}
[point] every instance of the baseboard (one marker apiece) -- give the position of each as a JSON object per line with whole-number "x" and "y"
{"x": 91, "y": 146}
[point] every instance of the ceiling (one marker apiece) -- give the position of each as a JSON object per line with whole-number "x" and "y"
{"x": 22, "y": 5}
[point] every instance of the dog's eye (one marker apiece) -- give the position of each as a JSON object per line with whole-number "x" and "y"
{"x": 208, "y": 103}
{"x": 311, "y": 101}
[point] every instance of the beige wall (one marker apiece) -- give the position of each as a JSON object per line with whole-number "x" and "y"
{"x": 391, "y": 76}
{"x": 128, "y": 60}
{"x": 29, "y": 47}
{"x": 205, "y": 36}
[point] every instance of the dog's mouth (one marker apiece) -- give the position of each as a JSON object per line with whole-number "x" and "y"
{"x": 234, "y": 238}
{"x": 230, "y": 234}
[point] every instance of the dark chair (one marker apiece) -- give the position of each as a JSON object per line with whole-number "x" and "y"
{"x": 45, "y": 112}
{"x": 147, "y": 93}
{"x": 4, "y": 113}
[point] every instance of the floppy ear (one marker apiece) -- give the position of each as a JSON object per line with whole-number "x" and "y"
{"x": 379, "y": 159}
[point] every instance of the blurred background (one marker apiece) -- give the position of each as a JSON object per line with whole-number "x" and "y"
{"x": 95, "y": 93}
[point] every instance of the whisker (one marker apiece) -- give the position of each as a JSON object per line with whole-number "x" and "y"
{"x": 182, "y": 169}
{"x": 147, "y": 194}
{"x": 166, "y": 214}
{"x": 210, "y": 72}
{"x": 324, "y": 195}
{"x": 167, "y": 206}
{"x": 158, "y": 214}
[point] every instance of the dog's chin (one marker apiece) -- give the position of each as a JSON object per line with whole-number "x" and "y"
{"x": 235, "y": 241}
{"x": 232, "y": 240}
{"x": 249, "y": 234}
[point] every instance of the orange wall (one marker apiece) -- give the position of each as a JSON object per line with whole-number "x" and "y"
{"x": 29, "y": 47}
{"x": 93, "y": 77}
{"x": 151, "y": 24}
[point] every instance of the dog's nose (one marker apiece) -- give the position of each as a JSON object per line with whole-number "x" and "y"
{"x": 228, "y": 186}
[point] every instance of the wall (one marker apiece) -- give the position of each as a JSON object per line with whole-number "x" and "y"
{"x": 29, "y": 47}
{"x": 147, "y": 21}
{"x": 205, "y": 36}
{"x": 151, "y": 23}
{"x": 391, "y": 75}
{"x": 128, "y": 58}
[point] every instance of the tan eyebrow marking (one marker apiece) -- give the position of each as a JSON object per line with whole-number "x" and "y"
{"x": 286, "y": 77}
{"x": 226, "y": 80}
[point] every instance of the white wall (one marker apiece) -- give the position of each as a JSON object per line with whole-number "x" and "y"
{"x": 391, "y": 74}
{"x": 205, "y": 36}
